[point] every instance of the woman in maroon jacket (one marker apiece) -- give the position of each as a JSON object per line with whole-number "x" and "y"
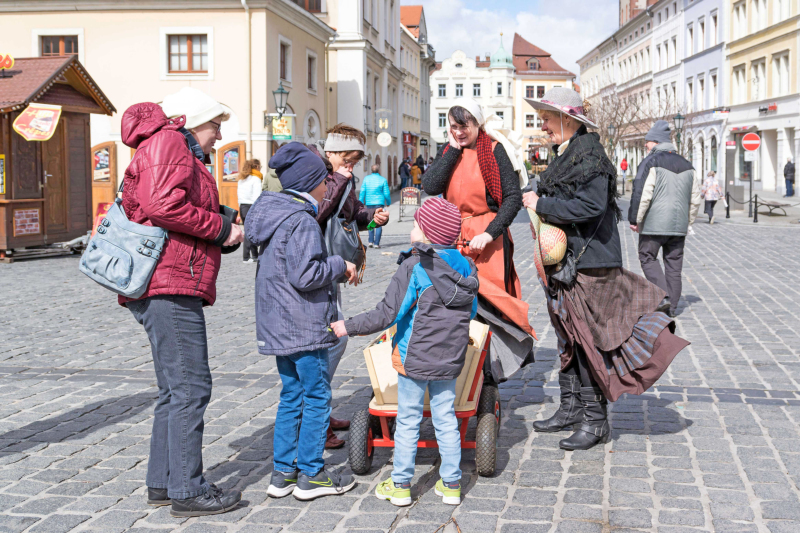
{"x": 342, "y": 150}
{"x": 167, "y": 185}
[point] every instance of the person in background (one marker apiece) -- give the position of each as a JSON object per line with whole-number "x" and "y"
{"x": 788, "y": 175}
{"x": 624, "y": 167}
{"x": 249, "y": 189}
{"x": 416, "y": 176}
{"x": 711, "y": 193}
{"x": 375, "y": 194}
{"x": 168, "y": 185}
{"x": 294, "y": 295}
{"x": 664, "y": 204}
{"x": 405, "y": 175}
{"x": 271, "y": 182}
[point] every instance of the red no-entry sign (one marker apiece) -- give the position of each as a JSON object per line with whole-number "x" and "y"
{"x": 751, "y": 142}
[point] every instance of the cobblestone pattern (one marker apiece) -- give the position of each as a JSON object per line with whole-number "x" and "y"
{"x": 713, "y": 447}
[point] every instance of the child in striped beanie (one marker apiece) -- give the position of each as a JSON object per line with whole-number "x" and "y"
{"x": 429, "y": 346}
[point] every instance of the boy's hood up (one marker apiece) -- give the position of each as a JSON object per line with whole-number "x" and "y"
{"x": 453, "y": 276}
{"x": 279, "y": 207}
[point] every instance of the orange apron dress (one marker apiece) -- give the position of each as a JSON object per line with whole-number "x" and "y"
{"x": 467, "y": 191}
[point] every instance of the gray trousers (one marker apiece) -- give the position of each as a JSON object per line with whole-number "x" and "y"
{"x": 335, "y": 353}
{"x": 668, "y": 279}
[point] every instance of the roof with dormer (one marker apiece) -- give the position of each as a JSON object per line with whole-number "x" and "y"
{"x": 524, "y": 51}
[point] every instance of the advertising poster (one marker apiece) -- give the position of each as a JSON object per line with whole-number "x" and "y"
{"x": 102, "y": 162}
{"x": 230, "y": 165}
{"x": 282, "y": 128}
{"x": 38, "y": 122}
{"x": 2, "y": 174}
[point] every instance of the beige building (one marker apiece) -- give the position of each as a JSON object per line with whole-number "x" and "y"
{"x": 236, "y": 51}
{"x": 536, "y": 72}
{"x": 761, "y": 60}
{"x": 410, "y": 61}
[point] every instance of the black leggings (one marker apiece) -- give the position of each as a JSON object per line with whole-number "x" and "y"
{"x": 579, "y": 366}
{"x": 248, "y": 250}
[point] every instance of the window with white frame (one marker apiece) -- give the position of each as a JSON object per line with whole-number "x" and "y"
{"x": 758, "y": 73}
{"x": 459, "y": 89}
{"x": 689, "y": 97}
{"x": 780, "y": 74}
{"x": 285, "y": 58}
{"x": 739, "y": 19}
{"x": 311, "y": 71}
{"x": 674, "y": 50}
{"x": 701, "y": 94}
{"x": 690, "y": 40}
{"x": 701, "y": 35}
{"x": 442, "y": 120}
{"x": 783, "y": 9}
{"x": 759, "y": 14}
{"x": 713, "y": 98}
{"x": 713, "y": 39}
{"x": 739, "y": 85}
{"x": 499, "y": 88}
{"x": 442, "y": 90}
{"x": 476, "y": 89}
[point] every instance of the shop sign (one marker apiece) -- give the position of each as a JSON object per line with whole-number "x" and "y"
{"x": 407, "y": 138}
{"x": 383, "y": 119}
{"x": 768, "y": 109}
{"x": 423, "y": 142}
{"x": 730, "y": 145}
{"x": 410, "y": 196}
{"x": 282, "y": 128}
{"x": 38, "y": 122}
{"x": 6, "y": 62}
{"x": 2, "y": 174}
{"x": 384, "y": 139}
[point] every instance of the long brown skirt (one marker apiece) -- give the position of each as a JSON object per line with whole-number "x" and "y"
{"x": 611, "y": 314}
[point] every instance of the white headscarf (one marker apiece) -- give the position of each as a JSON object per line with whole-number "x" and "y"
{"x": 493, "y": 126}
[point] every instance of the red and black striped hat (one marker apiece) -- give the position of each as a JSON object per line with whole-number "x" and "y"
{"x": 439, "y": 220}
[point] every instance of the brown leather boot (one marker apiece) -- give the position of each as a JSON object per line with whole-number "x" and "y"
{"x": 339, "y": 424}
{"x": 333, "y": 441}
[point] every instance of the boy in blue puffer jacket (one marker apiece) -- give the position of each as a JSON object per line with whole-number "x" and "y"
{"x": 294, "y": 306}
{"x": 431, "y": 298}
{"x": 374, "y": 194}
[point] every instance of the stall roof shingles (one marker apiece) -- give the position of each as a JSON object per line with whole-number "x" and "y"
{"x": 522, "y": 51}
{"x": 31, "y": 74}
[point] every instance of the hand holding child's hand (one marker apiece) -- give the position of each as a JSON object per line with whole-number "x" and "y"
{"x": 339, "y": 329}
{"x": 351, "y": 272}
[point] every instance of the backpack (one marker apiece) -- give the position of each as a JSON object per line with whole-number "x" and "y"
{"x": 122, "y": 255}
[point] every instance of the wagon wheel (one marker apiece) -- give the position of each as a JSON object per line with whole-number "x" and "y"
{"x": 489, "y": 414}
{"x": 361, "y": 451}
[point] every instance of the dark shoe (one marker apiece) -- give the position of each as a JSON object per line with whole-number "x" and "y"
{"x": 595, "y": 428}
{"x": 663, "y": 307}
{"x": 570, "y": 412}
{"x": 213, "y": 501}
{"x": 282, "y": 484}
{"x": 672, "y": 313}
{"x": 323, "y": 484}
{"x": 339, "y": 424}
{"x": 333, "y": 442}
{"x": 157, "y": 497}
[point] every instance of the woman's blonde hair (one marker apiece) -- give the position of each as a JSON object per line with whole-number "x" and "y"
{"x": 248, "y": 167}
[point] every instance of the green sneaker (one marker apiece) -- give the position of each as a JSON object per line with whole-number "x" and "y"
{"x": 450, "y": 492}
{"x": 398, "y": 494}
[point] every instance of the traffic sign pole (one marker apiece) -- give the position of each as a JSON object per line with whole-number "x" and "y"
{"x": 751, "y": 142}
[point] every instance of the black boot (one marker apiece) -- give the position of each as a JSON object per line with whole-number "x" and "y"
{"x": 595, "y": 428}
{"x": 570, "y": 412}
{"x": 664, "y": 306}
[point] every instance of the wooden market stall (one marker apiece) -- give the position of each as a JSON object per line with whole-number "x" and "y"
{"x": 46, "y": 186}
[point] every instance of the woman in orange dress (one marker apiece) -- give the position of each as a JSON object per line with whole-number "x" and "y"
{"x": 475, "y": 172}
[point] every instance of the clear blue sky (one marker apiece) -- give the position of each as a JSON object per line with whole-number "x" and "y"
{"x": 567, "y": 29}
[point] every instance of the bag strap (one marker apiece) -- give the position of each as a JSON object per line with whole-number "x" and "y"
{"x": 585, "y": 246}
{"x": 344, "y": 197}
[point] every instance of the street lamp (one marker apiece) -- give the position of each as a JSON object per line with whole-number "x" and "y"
{"x": 281, "y": 95}
{"x": 678, "y": 119}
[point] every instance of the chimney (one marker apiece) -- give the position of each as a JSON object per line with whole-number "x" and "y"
{"x": 477, "y": 58}
{"x": 488, "y": 56}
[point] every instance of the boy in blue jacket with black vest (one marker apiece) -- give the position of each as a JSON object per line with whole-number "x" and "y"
{"x": 294, "y": 306}
{"x": 431, "y": 299}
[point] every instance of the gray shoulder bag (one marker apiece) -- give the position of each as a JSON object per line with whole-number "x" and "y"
{"x": 341, "y": 237}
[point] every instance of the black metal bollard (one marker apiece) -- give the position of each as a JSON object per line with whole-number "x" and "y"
{"x": 727, "y": 205}
{"x": 755, "y": 210}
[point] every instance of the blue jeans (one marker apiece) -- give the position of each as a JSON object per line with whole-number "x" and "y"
{"x": 377, "y": 231}
{"x": 410, "y": 399}
{"x": 789, "y": 188}
{"x": 176, "y": 328}
{"x": 303, "y": 412}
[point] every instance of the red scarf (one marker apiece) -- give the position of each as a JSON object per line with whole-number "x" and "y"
{"x": 490, "y": 172}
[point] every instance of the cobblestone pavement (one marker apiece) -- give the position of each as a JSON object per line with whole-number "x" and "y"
{"x": 712, "y": 447}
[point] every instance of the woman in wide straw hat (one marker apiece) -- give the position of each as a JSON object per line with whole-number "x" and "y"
{"x": 480, "y": 171}
{"x": 611, "y": 336}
